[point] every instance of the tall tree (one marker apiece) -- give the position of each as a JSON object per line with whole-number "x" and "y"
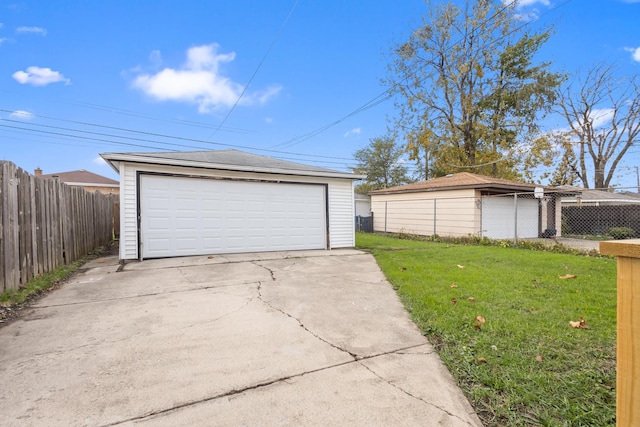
{"x": 468, "y": 91}
{"x": 382, "y": 162}
{"x": 602, "y": 112}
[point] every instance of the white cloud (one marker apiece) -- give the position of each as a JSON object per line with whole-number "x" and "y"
{"x": 354, "y": 131}
{"x": 37, "y": 76}
{"x": 3, "y": 39}
{"x": 1, "y": 25}
{"x": 99, "y": 161}
{"x": 635, "y": 51}
{"x": 32, "y": 30}
{"x": 268, "y": 120}
{"x": 22, "y": 115}
{"x": 199, "y": 81}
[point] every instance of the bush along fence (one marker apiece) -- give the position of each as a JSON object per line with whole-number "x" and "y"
{"x": 45, "y": 224}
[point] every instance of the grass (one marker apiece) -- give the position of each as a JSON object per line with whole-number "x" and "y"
{"x": 38, "y": 285}
{"x": 525, "y": 365}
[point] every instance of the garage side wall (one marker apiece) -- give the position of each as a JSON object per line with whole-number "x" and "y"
{"x": 340, "y": 201}
{"x": 341, "y": 214}
{"x": 445, "y": 213}
{"x": 128, "y": 213}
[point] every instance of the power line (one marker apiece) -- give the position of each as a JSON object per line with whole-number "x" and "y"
{"x": 273, "y": 42}
{"x": 160, "y": 135}
{"x": 57, "y": 129}
{"x": 386, "y": 94}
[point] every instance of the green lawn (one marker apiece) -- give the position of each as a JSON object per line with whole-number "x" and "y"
{"x": 525, "y": 365}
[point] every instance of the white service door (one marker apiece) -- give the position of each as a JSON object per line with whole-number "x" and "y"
{"x": 195, "y": 216}
{"x": 498, "y": 217}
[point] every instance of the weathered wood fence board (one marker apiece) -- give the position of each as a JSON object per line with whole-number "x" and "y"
{"x": 45, "y": 224}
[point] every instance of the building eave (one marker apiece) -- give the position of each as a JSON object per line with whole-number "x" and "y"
{"x": 114, "y": 160}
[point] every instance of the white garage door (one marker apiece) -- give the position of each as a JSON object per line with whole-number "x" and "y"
{"x": 193, "y": 216}
{"x": 498, "y": 219}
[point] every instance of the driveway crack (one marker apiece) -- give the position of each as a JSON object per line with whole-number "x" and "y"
{"x": 271, "y": 272}
{"x": 225, "y": 394}
{"x": 302, "y": 325}
{"x": 408, "y": 393}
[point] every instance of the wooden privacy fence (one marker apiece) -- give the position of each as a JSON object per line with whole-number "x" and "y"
{"x": 45, "y": 224}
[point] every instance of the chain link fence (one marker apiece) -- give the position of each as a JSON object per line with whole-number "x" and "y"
{"x": 568, "y": 213}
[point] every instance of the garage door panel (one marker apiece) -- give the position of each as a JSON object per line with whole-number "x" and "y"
{"x": 192, "y": 216}
{"x": 498, "y": 219}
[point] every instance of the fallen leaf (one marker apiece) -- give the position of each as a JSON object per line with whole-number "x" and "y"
{"x": 480, "y": 319}
{"x": 454, "y": 301}
{"x": 581, "y": 324}
{"x": 568, "y": 276}
{"x": 494, "y": 347}
{"x": 101, "y": 261}
{"x": 471, "y": 299}
{"x": 453, "y": 286}
{"x": 482, "y": 360}
{"x": 476, "y": 326}
{"x": 460, "y": 266}
{"x": 539, "y": 358}
{"x": 403, "y": 268}
{"x": 210, "y": 257}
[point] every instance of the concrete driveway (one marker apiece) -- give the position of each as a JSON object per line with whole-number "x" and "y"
{"x": 300, "y": 338}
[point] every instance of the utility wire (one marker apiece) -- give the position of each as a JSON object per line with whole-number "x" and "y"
{"x": 273, "y": 42}
{"x": 383, "y": 96}
{"x": 56, "y": 132}
{"x": 154, "y": 134}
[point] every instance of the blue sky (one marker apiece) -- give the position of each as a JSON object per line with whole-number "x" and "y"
{"x": 77, "y": 77}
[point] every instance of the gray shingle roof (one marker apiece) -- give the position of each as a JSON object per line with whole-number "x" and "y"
{"x": 82, "y": 176}
{"x": 457, "y": 181}
{"x": 234, "y": 159}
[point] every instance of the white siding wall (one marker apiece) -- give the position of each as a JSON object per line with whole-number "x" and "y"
{"x": 340, "y": 194}
{"x": 341, "y": 214}
{"x": 128, "y": 213}
{"x": 457, "y": 213}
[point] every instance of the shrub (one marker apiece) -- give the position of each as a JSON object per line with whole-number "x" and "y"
{"x": 620, "y": 233}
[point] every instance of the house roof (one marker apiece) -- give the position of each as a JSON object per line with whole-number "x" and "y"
{"x": 83, "y": 177}
{"x": 459, "y": 181}
{"x": 589, "y": 195}
{"x": 227, "y": 160}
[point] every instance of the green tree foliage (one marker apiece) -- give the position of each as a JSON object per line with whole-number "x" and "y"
{"x": 468, "y": 93}
{"x": 602, "y": 112}
{"x": 382, "y": 162}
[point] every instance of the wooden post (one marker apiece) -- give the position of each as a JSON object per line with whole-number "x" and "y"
{"x": 628, "y": 339}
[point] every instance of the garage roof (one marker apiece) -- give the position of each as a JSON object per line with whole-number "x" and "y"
{"x": 459, "y": 181}
{"x": 226, "y": 160}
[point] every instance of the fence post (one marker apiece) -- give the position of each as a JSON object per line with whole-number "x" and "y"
{"x": 515, "y": 218}
{"x": 628, "y": 330}
{"x": 434, "y": 217}
{"x": 385, "y": 216}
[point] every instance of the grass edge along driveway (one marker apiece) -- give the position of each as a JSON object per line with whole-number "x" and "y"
{"x": 500, "y": 319}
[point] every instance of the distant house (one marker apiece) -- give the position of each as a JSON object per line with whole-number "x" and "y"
{"x": 595, "y": 212}
{"x": 88, "y": 180}
{"x": 588, "y": 197}
{"x": 466, "y": 204}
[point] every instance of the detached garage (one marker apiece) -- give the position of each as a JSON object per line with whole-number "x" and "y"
{"x": 228, "y": 201}
{"x": 466, "y": 204}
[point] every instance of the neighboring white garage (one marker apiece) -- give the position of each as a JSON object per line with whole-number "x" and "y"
{"x": 228, "y": 201}
{"x": 466, "y": 204}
